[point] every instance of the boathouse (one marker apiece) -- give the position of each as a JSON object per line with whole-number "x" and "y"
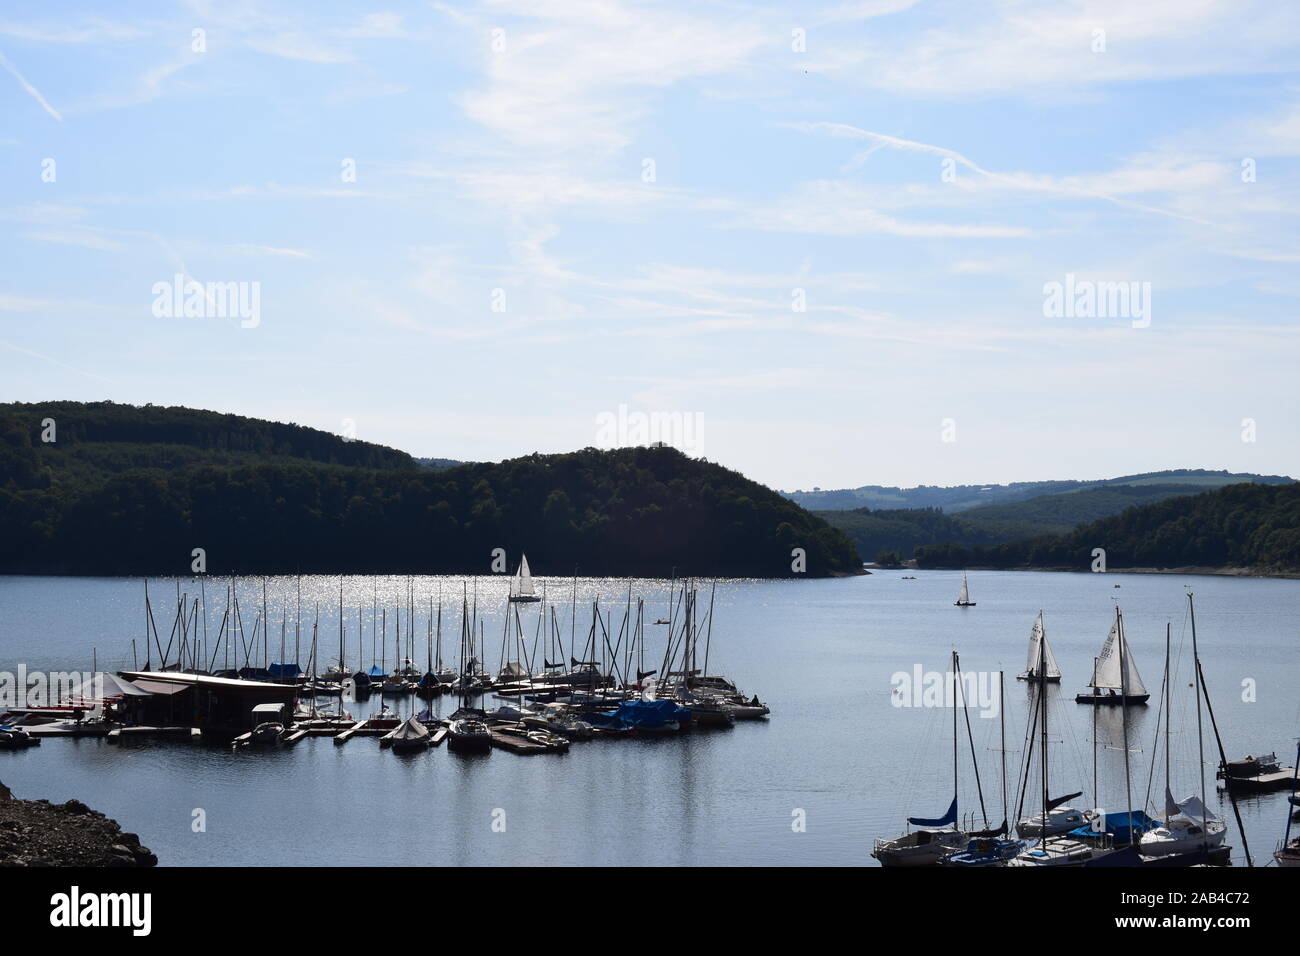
{"x": 215, "y": 704}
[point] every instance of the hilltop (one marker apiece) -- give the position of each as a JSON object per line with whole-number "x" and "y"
{"x": 133, "y": 490}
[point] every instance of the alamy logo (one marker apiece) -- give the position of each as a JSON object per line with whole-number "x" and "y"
{"x": 188, "y": 298}
{"x": 624, "y": 429}
{"x": 1087, "y": 299}
{"x": 74, "y": 909}
{"x": 979, "y": 690}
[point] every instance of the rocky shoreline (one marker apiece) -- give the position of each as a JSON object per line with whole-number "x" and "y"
{"x": 40, "y": 833}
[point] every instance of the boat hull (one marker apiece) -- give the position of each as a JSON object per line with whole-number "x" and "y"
{"x": 1107, "y": 700}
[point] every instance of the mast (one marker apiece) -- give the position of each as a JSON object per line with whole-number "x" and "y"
{"x": 1223, "y": 759}
{"x": 1168, "y": 785}
{"x": 954, "y": 734}
{"x": 1200, "y": 739}
{"x": 1095, "y": 801}
{"x": 1003, "y": 734}
{"x": 1042, "y": 691}
{"x": 1123, "y": 705}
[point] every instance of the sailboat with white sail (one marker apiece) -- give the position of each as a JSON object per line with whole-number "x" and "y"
{"x": 1189, "y": 826}
{"x": 1041, "y": 665}
{"x": 521, "y": 585}
{"x": 963, "y": 597}
{"x": 1115, "y": 672}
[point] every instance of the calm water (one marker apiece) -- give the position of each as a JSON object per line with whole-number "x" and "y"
{"x": 821, "y": 653}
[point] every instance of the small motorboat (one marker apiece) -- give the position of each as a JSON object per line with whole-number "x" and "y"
{"x": 985, "y": 851}
{"x": 393, "y": 686}
{"x": 468, "y": 732}
{"x": 15, "y": 738}
{"x": 266, "y": 734}
{"x": 410, "y": 737}
{"x": 1256, "y": 774}
{"x": 1055, "y": 851}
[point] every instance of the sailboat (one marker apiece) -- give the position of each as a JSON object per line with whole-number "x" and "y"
{"x": 935, "y": 838}
{"x": 1049, "y": 850}
{"x": 1123, "y": 684}
{"x": 521, "y": 585}
{"x": 1038, "y": 638}
{"x": 1189, "y": 827}
{"x": 963, "y": 599}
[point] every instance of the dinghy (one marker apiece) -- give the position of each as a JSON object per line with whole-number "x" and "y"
{"x": 963, "y": 598}
{"x": 1051, "y": 673}
{"x": 521, "y": 585}
{"x": 1121, "y": 683}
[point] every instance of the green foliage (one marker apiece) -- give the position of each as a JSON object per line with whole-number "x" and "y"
{"x": 125, "y": 493}
{"x": 1245, "y": 525}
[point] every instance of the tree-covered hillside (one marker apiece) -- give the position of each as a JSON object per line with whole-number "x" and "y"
{"x": 1245, "y": 525}
{"x": 129, "y": 493}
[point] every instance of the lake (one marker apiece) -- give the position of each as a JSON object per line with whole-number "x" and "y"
{"x": 836, "y": 753}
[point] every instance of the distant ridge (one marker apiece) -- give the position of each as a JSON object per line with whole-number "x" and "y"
{"x": 957, "y": 498}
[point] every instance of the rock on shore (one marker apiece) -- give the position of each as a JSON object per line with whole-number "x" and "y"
{"x": 39, "y": 833}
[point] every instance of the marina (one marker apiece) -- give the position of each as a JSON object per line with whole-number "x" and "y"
{"x": 818, "y": 651}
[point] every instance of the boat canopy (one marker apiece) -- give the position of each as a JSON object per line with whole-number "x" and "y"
{"x": 284, "y": 670}
{"x": 947, "y": 819}
{"x": 104, "y": 685}
{"x": 1190, "y": 809}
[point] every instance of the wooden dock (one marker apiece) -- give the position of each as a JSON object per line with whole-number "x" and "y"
{"x": 1260, "y": 783}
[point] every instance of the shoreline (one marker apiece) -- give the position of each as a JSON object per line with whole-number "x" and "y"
{"x": 40, "y": 833}
{"x": 1187, "y": 570}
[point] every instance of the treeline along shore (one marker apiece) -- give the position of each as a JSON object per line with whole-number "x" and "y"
{"x": 107, "y": 489}
{"x": 1243, "y": 528}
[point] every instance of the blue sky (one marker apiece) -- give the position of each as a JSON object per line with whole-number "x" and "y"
{"x": 920, "y": 170}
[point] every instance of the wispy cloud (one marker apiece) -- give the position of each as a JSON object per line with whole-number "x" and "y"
{"x": 31, "y": 90}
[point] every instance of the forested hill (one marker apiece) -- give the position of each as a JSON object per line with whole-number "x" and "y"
{"x": 95, "y": 439}
{"x": 129, "y": 494}
{"x": 1240, "y": 526}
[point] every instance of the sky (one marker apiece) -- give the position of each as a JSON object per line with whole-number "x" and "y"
{"x": 887, "y": 242}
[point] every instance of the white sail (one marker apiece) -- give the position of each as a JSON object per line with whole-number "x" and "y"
{"x": 1036, "y": 638}
{"x": 964, "y": 598}
{"x": 1108, "y": 674}
{"x": 521, "y": 585}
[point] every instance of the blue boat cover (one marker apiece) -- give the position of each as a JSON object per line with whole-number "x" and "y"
{"x": 284, "y": 670}
{"x": 948, "y": 818}
{"x": 650, "y": 713}
{"x": 1119, "y": 826}
{"x": 376, "y": 671}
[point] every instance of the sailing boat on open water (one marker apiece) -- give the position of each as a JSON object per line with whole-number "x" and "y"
{"x": 963, "y": 598}
{"x": 521, "y": 585}
{"x": 1041, "y": 664}
{"x": 1115, "y": 672}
